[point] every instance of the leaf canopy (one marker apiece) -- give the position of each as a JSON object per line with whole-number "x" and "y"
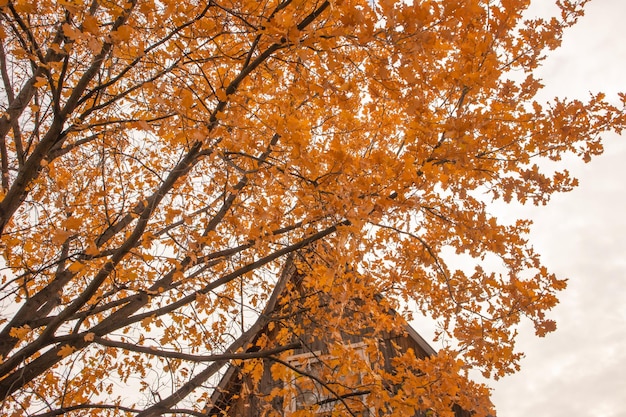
{"x": 161, "y": 159}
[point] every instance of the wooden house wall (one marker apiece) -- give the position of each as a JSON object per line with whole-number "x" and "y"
{"x": 237, "y": 396}
{"x": 242, "y": 399}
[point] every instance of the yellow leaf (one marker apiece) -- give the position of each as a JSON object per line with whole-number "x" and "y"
{"x": 89, "y": 337}
{"x": 256, "y": 373}
{"x": 66, "y": 350}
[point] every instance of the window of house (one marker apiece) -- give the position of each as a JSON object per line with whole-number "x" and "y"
{"x": 325, "y": 383}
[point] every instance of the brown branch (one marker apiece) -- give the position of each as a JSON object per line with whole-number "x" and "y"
{"x": 208, "y": 260}
{"x": 133, "y": 347}
{"x": 246, "y": 338}
{"x": 147, "y": 50}
{"x": 54, "y": 137}
{"x": 65, "y": 410}
{"x": 8, "y": 88}
{"x": 46, "y": 336}
{"x": 115, "y": 322}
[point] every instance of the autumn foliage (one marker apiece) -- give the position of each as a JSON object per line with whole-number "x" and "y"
{"x": 161, "y": 159}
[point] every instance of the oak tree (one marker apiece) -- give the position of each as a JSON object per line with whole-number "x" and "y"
{"x": 160, "y": 161}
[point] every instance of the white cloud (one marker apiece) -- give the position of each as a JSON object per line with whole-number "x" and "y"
{"x": 580, "y": 369}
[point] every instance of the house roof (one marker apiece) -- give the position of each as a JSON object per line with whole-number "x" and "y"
{"x": 413, "y": 334}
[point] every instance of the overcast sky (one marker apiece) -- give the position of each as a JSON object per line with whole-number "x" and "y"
{"x": 580, "y": 370}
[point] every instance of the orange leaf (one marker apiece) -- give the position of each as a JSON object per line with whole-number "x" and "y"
{"x": 71, "y": 32}
{"x": 59, "y": 236}
{"x": 65, "y": 351}
{"x": 91, "y": 25}
{"x": 20, "y": 332}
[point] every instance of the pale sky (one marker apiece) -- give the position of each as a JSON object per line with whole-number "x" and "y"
{"x": 580, "y": 370}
